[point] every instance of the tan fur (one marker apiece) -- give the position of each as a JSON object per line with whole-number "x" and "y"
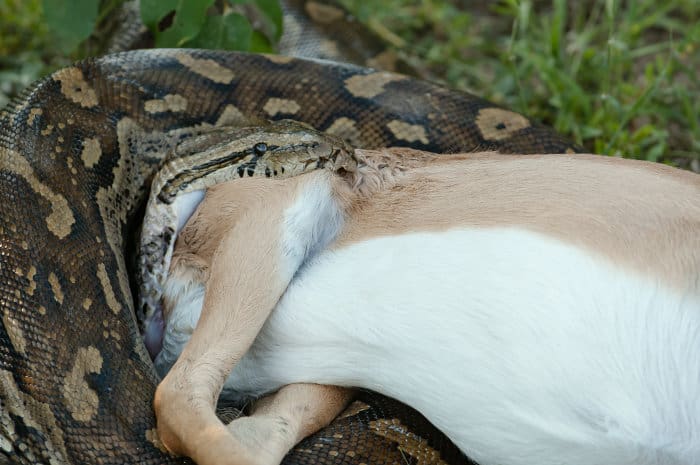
{"x": 214, "y": 218}
{"x": 279, "y": 421}
{"x": 235, "y": 307}
{"x": 643, "y": 216}
{"x": 640, "y": 216}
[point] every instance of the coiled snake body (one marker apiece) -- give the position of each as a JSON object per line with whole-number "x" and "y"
{"x": 76, "y": 152}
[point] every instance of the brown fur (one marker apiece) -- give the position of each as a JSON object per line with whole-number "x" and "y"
{"x": 642, "y": 216}
{"x": 652, "y": 210}
{"x": 235, "y": 307}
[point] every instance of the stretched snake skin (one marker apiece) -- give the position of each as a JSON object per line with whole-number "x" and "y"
{"x": 76, "y": 153}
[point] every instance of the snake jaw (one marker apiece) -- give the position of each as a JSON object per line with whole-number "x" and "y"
{"x": 282, "y": 149}
{"x": 154, "y": 329}
{"x": 345, "y": 162}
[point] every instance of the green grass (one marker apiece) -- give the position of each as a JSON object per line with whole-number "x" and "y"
{"x": 27, "y": 49}
{"x": 619, "y": 78}
{"x": 21, "y": 33}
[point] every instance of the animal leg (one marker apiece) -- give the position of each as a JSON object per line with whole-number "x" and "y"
{"x": 249, "y": 272}
{"x": 279, "y": 421}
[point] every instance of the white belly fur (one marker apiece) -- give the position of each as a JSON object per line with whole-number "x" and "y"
{"x": 522, "y": 349}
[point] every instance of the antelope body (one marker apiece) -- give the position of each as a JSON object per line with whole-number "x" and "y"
{"x": 537, "y": 309}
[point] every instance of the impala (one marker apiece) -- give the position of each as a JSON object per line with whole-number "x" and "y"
{"x": 539, "y": 310}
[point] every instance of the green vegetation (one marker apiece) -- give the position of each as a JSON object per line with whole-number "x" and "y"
{"x": 191, "y": 26}
{"x": 617, "y": 77}
{"x": 25, "y": 52}
{"x": 39, "y": 36}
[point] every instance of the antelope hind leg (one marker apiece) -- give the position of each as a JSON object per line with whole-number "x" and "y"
{"x": 279, "y": 421}
{"x": 251, "y": 268}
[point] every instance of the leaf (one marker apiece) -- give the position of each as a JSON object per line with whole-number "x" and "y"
{"x": 189, "y": 18}
{"x": 72, "y": 21}
{"x": 259, "y": 43}
{"x": 272, "y": 11}
{"x": 153, "y": 11}
{"x": 192, "y": 27}
{"x": 230, "y": 32}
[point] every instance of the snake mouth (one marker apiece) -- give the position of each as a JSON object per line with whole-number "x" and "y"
{"x": 182, "y": 180}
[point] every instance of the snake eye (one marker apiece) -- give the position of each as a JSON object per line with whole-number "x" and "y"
{"x": 260, "y": 148}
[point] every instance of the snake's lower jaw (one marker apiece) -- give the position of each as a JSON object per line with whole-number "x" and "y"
{"x": 153, "y": 333}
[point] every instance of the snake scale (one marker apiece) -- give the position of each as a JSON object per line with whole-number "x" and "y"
{"x": 76, "y": 153}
